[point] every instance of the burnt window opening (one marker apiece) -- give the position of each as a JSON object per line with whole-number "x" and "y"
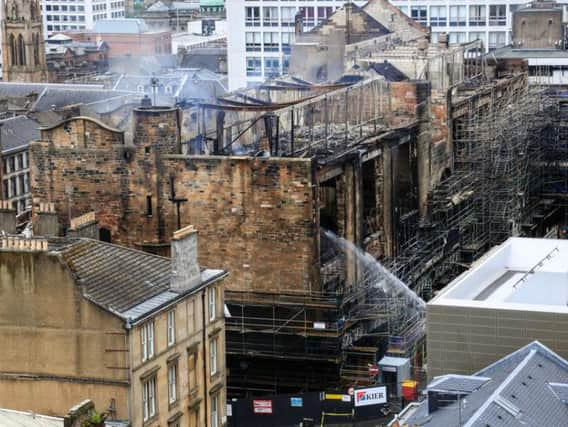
{"x": 328, "y": 206}
{"x": 148, "y": 205}
{"x": 146, "y": 150}
{"x": 105, "y": 235}
{"x": 370, "y": 214}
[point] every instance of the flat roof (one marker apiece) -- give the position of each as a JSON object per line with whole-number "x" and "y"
{"x": 520, "y": 274}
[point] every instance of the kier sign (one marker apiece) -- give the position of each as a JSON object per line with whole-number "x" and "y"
{"x": 370, "y": 396}
{"x": 262, "y": 406}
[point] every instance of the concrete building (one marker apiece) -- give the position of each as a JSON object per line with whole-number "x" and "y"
{"x": 488, "y": 20}
{"x": 512, "y": 296}
{"x": 142, "y": 336}
{"x": 538, "y": 45}
{"x": 526, "y": 387}
{"x": 262, "y": 33}
{"x": 62, "y": 15}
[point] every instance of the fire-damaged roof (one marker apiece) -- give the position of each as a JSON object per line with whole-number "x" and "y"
{"x": 389, "y": 71}
{"x": 527, "y": 387}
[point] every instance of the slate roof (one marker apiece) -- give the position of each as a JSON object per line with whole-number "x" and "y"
{"x": 60, "y": 97}
{"x": 389, "y": 71}
{"x": 519, "y": 392}
{"x": 120, "y": 26}
{"x": 458, "y": 383}
{"x": 17, "y": 132}
{"x": 18, "y": 90}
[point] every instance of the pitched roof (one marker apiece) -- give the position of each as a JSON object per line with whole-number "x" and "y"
{"x": 121, "y": 26}
{"x": 124, "y": 281}
{"x": 389, "y": 71}
{"x": 17, "y": 132}
{"x": 518, "y": 390}
{"x": 59, "y": 97}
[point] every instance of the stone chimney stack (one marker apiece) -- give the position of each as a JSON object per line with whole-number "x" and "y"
{"x": 7, "y": 217}
{"x": 186, "y": 273}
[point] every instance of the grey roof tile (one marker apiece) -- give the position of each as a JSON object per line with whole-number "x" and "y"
{"x": 519, "y": 394}
{"x": 17, "y": 132}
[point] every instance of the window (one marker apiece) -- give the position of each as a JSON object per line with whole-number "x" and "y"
{"x": 147, "y": 340}
{"x": 192, "y": 371}
{"x": 309, "y": 16}
{"x": 271, "y": 67}
{"x": 215, "y": 410}
{"x": 253, "y": 42}
{"x": 497, "y": 39}
{"x": 477, "y": 16}
{"x": 171, "y": 327}
{"x": 252, "y": 16}
{"x": 270, "y": 16}
{"x": 149, "y": 398}
{"x": 457, "y": 38}
{"x": 477, "y": 36}
{"x": 287, "y": 40}
{"x": 213, "y": 356}
{"x": 288, "y": 16}
{"x": 148, "y": 204}
{"x": 254, "y": 67}
{"x": 419, "y": 14}
{"x": 324, "y": 13}
{"x": 172, "y": 383}
{"x": 271, "y": 41}
{"x": 498, "y": 15}
{"x": 212, "y": 304}
{"x": 438, "y": 16}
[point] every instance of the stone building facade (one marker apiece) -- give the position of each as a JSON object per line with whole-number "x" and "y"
{"x": 142, "y": 346}
{"x": 23, "y": 44}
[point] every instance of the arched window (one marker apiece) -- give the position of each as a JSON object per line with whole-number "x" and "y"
{"x": 21, "y": 50}
{"x": 36, "y": 48}
{"x": 13, "y": 50}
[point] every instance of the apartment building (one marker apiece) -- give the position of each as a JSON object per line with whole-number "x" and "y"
{"x": 66, "y": 15}
{"x": 487, "y": 20}
{"x": 140, "y": 335}
{"x": 16, "y": 133}
{"x": 261, "y": 33}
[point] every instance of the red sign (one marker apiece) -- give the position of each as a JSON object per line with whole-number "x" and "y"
{"x": 373, "y": 370}
{"x": 262, "y": 406}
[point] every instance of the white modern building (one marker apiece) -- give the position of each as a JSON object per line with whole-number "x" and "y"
{"x": 64, "y": 15}
{"x": 465, "y": 20}
{"x": 515, "y": 294}
{"x": 261, "y": 32}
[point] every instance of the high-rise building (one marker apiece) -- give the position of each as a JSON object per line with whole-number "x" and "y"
{"x": 23, "y": 46}
{"x": 261, "y": 32}
{"x": 65, "y": 15}
{"x": 487, "y": 20}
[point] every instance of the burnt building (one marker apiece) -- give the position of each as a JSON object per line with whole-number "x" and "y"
{"x": 289, "y": 180}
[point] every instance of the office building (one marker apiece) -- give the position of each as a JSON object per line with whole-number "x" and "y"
{"x": 262, "y": 32}
{"x": 487, "y": 20}
{"x": 65, "y": 15}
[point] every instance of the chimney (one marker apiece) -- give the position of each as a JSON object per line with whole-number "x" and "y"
{"x": 299, "y": 24}
{"x": 185, "y": 268}
{"x": 7, "y": 217}
{"x": 45, "y": 220}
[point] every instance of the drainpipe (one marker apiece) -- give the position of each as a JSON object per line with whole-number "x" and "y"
{"x": 205, "y": 356}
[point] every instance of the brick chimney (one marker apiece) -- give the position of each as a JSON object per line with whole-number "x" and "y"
{"x": 185, "y": 267}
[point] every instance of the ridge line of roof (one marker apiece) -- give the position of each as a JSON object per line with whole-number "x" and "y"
{"x": 497, "y": 392}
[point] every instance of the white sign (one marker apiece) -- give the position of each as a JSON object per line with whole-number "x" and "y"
{"x": 262, "y": 406}
{"x": 370, "y": 396}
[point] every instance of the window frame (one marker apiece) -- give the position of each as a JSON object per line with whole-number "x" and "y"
{"x": 171, "y": 327}
{"x": 149, "y": 399}
{"x": 213, "y": 368}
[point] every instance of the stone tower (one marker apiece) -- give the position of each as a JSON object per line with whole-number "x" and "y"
{"x": 23, "y": 45}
